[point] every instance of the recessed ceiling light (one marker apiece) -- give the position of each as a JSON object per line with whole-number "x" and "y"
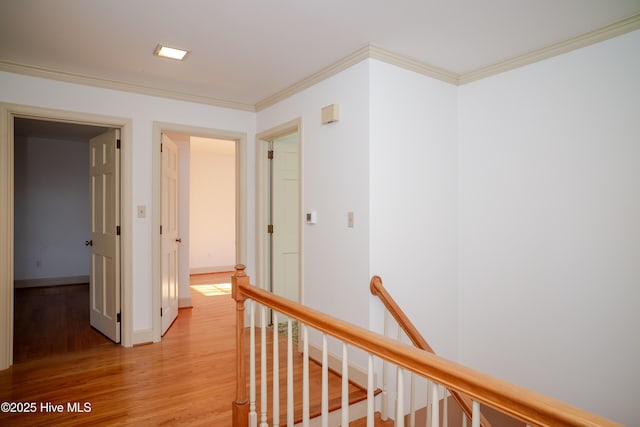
{"x": 171, "y": 52}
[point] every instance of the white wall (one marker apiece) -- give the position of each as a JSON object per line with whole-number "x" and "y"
{"x": 335, "y": 180}
{"x": 549, "y": 232}
{"x": 212, "y": 205}
{"x": 51, "y": 208}
{"x": 413, "y": 202}
{"x": 143, "y": 111}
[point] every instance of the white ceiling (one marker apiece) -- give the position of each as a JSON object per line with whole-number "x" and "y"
{"x": 244, "y": 51}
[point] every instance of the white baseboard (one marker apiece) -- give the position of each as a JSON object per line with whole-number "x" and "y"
{"x": 50, "y": 281}
{"x": 357, "y": 375}
{"x": 144, "y": 336}
{"x": 185, "y": 302}
{"x": 215, "y": 269}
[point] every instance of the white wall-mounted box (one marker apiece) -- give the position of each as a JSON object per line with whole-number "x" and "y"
{"x": 330, "y": 113}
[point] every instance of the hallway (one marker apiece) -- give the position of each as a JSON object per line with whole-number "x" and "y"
{"x": 187, "y": 379}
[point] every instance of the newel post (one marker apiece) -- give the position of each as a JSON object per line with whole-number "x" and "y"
{"x": 241, "y": 404}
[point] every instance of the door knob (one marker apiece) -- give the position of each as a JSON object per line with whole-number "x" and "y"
{"x": 179, "y": 240}
{"x": 88, "y": 243}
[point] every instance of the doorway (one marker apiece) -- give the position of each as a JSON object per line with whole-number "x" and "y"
{"x": 186, "y": 137}
{"x": 8, "y": 114}
{"x": 279, "y": 210}
{"x": 59, "y": 254}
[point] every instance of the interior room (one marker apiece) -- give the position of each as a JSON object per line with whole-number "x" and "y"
{"x": 481, "y": 158}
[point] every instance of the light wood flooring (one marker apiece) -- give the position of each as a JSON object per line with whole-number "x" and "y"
{"x": 186, "y": 379}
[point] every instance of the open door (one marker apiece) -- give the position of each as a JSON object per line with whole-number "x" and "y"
{"x": 104, "y": 277}
{"x": 170, "y": 240}
{"x": 285, "y": 216}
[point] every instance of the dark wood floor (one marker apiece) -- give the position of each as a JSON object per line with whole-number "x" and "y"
{"x": 52, "y": 320}
{"x": 187, "y": 379}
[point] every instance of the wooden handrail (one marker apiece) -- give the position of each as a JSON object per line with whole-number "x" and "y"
{"x": 377, "y": 289}
{"x": 526, "y": 405}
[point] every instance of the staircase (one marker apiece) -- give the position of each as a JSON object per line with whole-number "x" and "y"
{"x": 357, "y": 394}
{"x": 312, "y": 382}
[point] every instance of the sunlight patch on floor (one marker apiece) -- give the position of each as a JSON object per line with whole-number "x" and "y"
{"x": 210, "y": 290}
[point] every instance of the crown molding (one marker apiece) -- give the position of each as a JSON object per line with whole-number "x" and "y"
{"x": 331, "y": 70}
{"x": 613, "y": 30}
{"x": 376, "y": 52}
{"x": 30, "y": 70}
{"x": 372, "y": 51}
{"x": 369, "y": 51}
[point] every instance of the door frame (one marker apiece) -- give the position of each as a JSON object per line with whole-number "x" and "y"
{"x": 262, "y": 201}
{"x": 241, "y": 211}
{"x": 7, "y": 114}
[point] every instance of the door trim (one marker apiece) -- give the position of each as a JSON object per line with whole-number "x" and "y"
{"x": 7, "y": 113}
{"x": 262, "y": 200}
{"x": 241, "y": 210}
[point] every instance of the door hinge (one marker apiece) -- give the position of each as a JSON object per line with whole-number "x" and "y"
{"x": 161, "y": 148}
{"x": 160, "y": 311}
{"x": 270, "y": 228}
{"x": 270, "y": 154}
{"x": 160, "y": 229}
{"x": 119, "y": 318}
{"x": 118, "y": 144}
{"x": 117, "y": 230}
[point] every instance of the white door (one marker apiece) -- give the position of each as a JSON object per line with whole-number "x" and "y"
{"x": 170, "y": 240}
{"x": 285, "y": 211}
{"x": 104, "y": 279}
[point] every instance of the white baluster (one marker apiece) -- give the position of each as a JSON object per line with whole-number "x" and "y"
{"x": 325, "y": 383}
{"x": 445, "y": 408}
{"x": 305, "y": 377}
{"x": 429, "y": 400}
{"x": 263, "y": 368}
{"x": 475, "y": 412}
{"x": 399, "y": 339}
{"x": 345, "y": 386}
{"x": 435, "y": 405}
{"x": 276, "y": 373}
{"x": 370, "y": 397}
{"x": 400, "y": 399}
{"x": 385, "y": 372}
{"x": 464, "y": 420}
{"x": 412, "y": 402}
{"x": 253, "y": 416}
{"x": 289, "y": 374}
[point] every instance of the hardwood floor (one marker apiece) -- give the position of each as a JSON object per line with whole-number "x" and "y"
{"x": 53, "y": 320}
{"x": 187, "y": 379}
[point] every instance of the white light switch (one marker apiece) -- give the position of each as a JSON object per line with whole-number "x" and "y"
{"x": 142, "y": 211}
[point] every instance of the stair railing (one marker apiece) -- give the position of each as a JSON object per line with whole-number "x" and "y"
{"x": 525, "y": 405}
{"x": 378, "y": 290}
